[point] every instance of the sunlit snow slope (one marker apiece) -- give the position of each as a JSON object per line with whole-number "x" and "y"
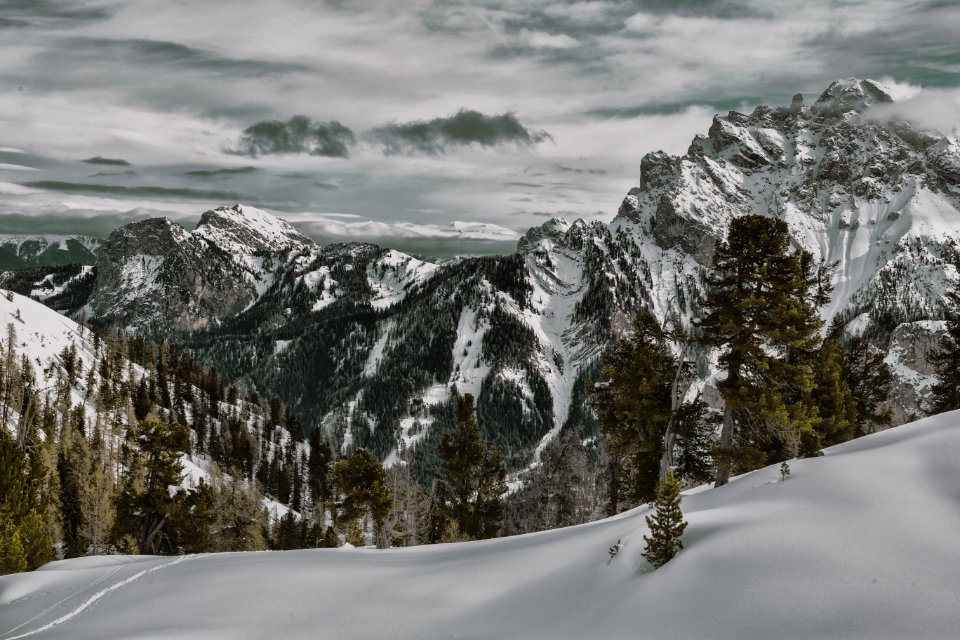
{"x": 861, "y": 543}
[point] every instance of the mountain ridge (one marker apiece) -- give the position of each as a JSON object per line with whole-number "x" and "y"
{"x": 379, "y": 339}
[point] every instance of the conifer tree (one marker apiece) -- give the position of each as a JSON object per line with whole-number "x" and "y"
{"x": 870, "y": 380}
{"x": 762, "y": 313}
{"x": 472, "y": 481}
{"x": 836, "y": 421}
{"x": 360, "y": 485}
{"x": 945, "y": 359}
{"x": 666, "y": 524}
{"x": 12, "y": 557}
{"x": 37, "y": 545}
{"x": 648, "y": 424}
{"x": 144, "y": 511}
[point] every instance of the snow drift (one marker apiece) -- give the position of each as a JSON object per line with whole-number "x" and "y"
{"x": 861, "y": 543}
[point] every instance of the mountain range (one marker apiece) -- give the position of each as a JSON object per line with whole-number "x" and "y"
{"x": 369, "y": 343}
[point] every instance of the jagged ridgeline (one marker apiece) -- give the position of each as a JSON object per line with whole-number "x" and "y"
{"x": 369, "y": 343}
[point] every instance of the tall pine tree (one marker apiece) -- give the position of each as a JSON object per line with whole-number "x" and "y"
{"x": 473, "y": 480}
{"x": 762, "y": 313}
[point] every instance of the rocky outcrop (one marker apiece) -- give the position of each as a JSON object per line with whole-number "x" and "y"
{"x": 157, "y": 277}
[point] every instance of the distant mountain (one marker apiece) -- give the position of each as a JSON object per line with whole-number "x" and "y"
{"x": 368, "y": 343}
{"x": 22, "y": 252}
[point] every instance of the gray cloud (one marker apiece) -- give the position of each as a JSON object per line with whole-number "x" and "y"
{"x": 37, "y": 12}
{"x": 565, "y": 169}
{"x": 465, "y": 128}
{"x": 299, "y": 134}
{"x": 145, "y": 52}
{"x": 114, "y": 162}
{"x": 215, "y": 173}
{"x": 138, "y": 191}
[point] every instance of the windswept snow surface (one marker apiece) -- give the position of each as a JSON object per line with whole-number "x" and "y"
{"x": 861, "y": 543}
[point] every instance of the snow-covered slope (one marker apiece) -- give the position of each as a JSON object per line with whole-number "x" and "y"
{"x": 43, "y": 335}
{"x": 860, "y": 543}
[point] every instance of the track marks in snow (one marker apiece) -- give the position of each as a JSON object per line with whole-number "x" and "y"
{"x": 89, "y": 601}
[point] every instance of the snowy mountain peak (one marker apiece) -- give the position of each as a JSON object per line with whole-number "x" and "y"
{"x": 240, "y": 226}
{"x": 851, "y": 94}
{"x": 557, "y": 230}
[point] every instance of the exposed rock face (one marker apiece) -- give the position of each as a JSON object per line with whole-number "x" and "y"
{"x": 908, "y": 356}
{"x": 156, "y": 276}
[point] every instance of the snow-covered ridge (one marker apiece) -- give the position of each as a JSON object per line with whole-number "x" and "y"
{"x": 864, "y": 537}
{"x": 246, "y": 229}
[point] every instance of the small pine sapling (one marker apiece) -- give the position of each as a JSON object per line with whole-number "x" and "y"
{"x": 614, "y": 550}
{"x": 784, "y": 470}
{"x": 666, "y": 524}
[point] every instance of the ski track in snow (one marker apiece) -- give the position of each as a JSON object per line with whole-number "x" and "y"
{"x": 89, "y": 601}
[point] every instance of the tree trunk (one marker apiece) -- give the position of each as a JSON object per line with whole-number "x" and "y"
{"x": 726, "y": 441}
{"x": 732, "y": 385}
{"x": 150, "y": 532}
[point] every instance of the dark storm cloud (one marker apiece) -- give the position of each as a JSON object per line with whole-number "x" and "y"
{"x": 31, "y": 12}
{"x": 114, "y": 162}
{"x": 718, "y": 105}
{"x": 299, "y": 134}
{"x": 215, "y": 173}
{"x": 564, "y": 169}
{"x": 104, "y": 174}
{"x": 465, "y": 128}
{"x": 12, "y": 23}
{"x": 138, "y": 191}
{"x": 143, "y": 52}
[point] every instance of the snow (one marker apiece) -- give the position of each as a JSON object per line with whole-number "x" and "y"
{"x": 860, "y": 543}
{"x": 240, "y": 228}
{"x": 376, "y": 354}
{"x": 393, "y": 274}
{"x": 469, "y": 368}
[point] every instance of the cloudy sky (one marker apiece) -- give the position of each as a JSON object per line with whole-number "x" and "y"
{"x": 415, "y": 123}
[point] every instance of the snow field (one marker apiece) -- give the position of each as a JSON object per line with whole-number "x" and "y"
{"x": 860, "y": 543}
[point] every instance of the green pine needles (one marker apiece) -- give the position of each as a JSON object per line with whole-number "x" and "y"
{"x": 666, "y": 524}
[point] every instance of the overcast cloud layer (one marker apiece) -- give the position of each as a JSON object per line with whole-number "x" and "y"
{"x": 389, "y": 121}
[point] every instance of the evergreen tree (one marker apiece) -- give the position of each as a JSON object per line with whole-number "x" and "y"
{"x": 666, "y": 524}
{"x": 12, "y": 557}
{"x": 144, "y": 511}
{"x": 945, "y": 359}
{"x": 360, "y": 486}
{"x": 472, "y": 482}
{"x": 762, "y": 312}
{"x": 870, "y": 380}
{"x": 836, "y": 421}
{"x": 633, "y": 407}
{"x": 648, "y": 426}
{"x": 37, "y": 545}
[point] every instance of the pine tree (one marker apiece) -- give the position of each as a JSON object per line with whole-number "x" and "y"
{"x": 666, "y": 524}
{"x": 144, "y": 511}
{"x": 836, "y": 421}
{"x": 762, "y": 312}
{"x": 37, "y": 545}
{"x": 360, "y": 485}
{"x": 945, "y": 359}
{"x": 871, "y": 381}
{"x": 12, "y": 557}
{"x": 472, "y": 481}
{"x": 648, "y": 425}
